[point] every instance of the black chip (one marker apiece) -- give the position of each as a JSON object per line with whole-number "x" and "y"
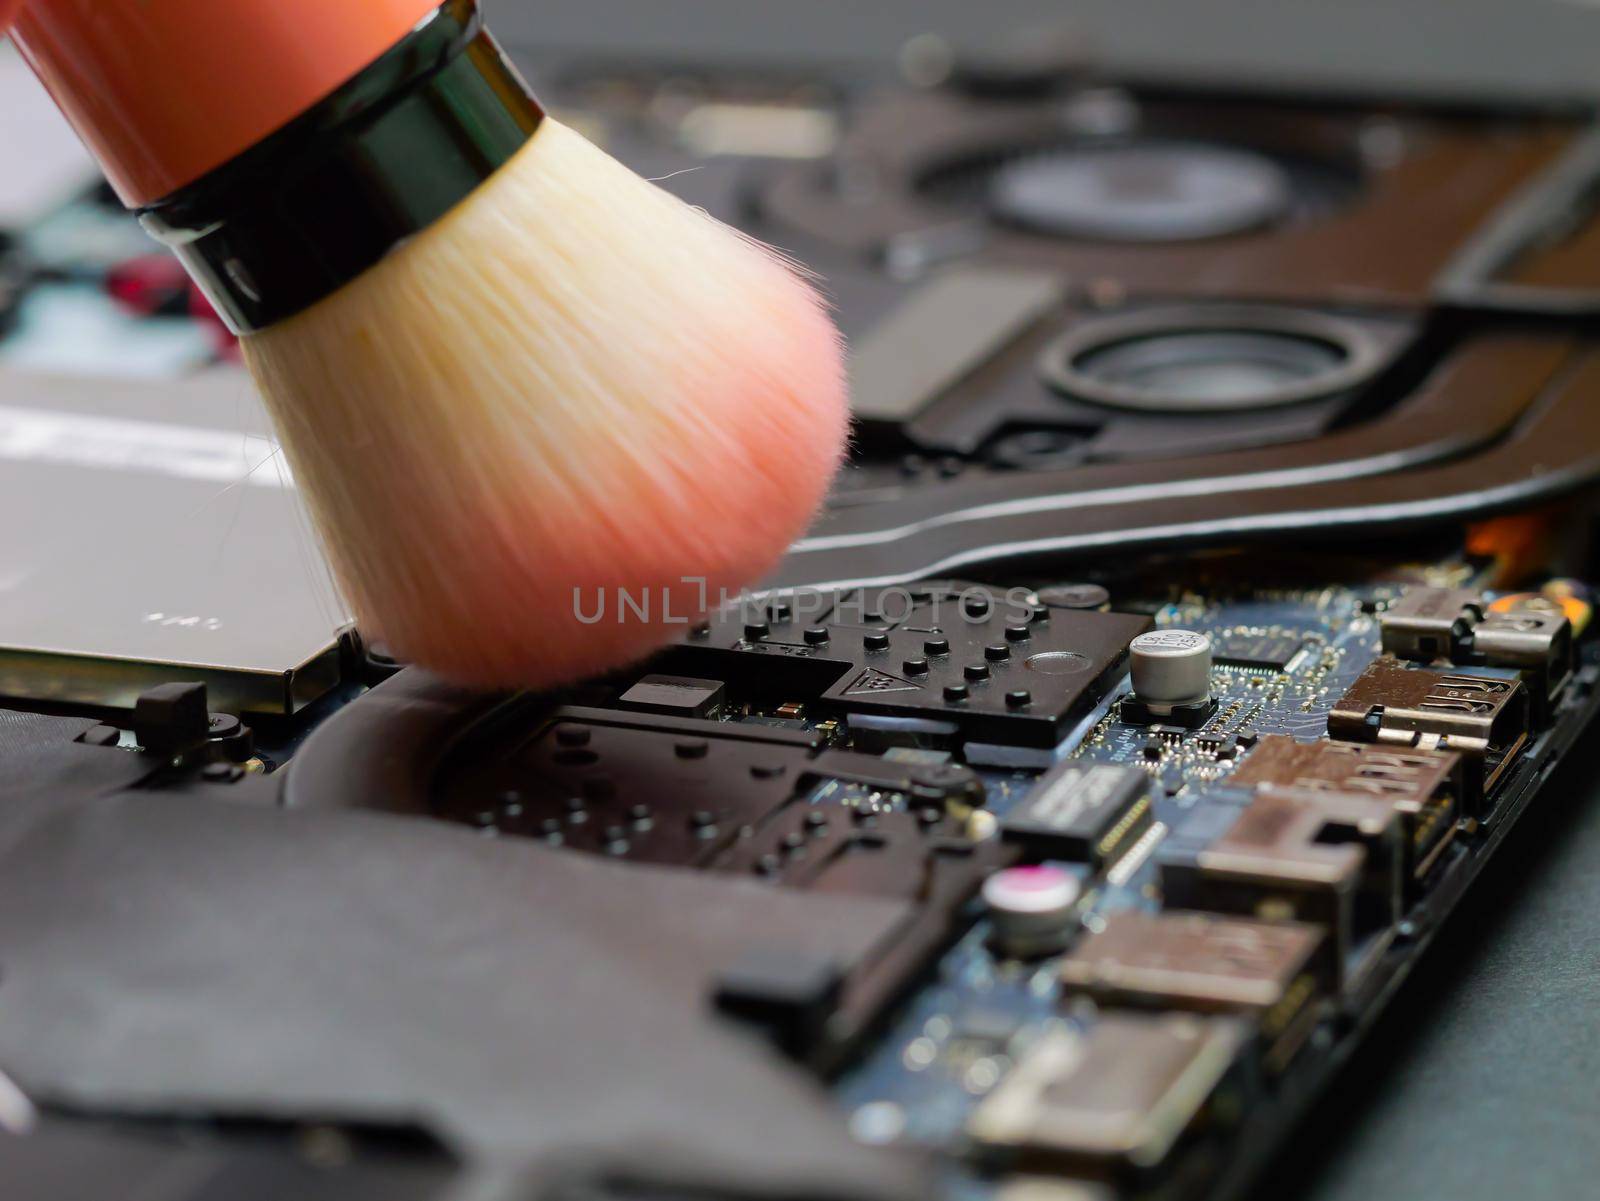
{"x": 674, "y": 696}
{"x": 1081, "y": 813}
{"x": 1263, "y": 652}
{"x": 998, "y": 669}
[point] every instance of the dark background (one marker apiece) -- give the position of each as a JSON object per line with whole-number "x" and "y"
{"x": 1484, "y": 1080}
{"x": 1505, "y": 49}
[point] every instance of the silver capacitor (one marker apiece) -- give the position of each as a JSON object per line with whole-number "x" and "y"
{"x": 1171, "y": 667}
{"x": 1032, "y": 910}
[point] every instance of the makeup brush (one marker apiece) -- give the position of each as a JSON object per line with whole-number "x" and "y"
{"x": 541, "y": 410}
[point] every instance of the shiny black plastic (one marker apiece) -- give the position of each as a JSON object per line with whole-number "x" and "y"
{"x": 314, "y": 205}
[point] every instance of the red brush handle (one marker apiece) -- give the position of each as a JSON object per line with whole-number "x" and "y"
{"x": 164, "y": 91}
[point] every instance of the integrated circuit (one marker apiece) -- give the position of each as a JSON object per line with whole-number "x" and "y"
{"x": 675, "y": 696}
{"x": 1258, "y": 650}
{"x": 977, "y": 664}
{"x": 1082, "y": 812}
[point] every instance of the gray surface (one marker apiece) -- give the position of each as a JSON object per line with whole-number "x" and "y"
{"x": 1484, "y": 1081}
{"x": 528, "y": 1007}
{"x": 1504, "y": 48}
{"x": 161, "y": 536}
{"x": 945, "y": 330}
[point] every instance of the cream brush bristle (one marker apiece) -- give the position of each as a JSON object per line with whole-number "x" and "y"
{"x": 571, "y": 387}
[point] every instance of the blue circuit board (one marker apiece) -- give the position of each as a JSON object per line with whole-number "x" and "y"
{"x": 959, "y": 1037}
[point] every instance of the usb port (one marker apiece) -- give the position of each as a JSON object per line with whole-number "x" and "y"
{"x": 1423, "y": 786}
{"x": 1455, "y": 625}
{"x": 1536, "y": 643}
{"x": 1271, "y": 971}
{"x": 1429, "y": 624}
{"x": 1482, "y": 717}
{"x": 1294, "y": 855}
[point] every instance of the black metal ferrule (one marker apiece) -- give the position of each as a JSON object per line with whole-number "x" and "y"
{"x": 311, "y": 207}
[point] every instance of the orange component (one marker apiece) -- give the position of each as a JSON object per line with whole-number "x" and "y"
{"x": 1516, "y": 543}
{"x": 1553, "y": 599}
{"x": 163, "y": 91}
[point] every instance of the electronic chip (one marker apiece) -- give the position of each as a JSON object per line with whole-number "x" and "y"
{"x": 989, "y": 665}
{"x": 1081, "y": 812}
{"x": 674, "y": 696}
{"x": 1258, "y": 650}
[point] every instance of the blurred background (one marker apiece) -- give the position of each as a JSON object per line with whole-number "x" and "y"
{"x": 1496, "y": 49}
